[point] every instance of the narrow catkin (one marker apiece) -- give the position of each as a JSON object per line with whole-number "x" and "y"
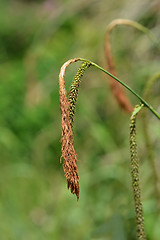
{"x": 135, "y": 180}
{"x": 74, "y": 89}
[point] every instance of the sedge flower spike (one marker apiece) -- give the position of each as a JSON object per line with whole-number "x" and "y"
{"x": 135, "y": 176}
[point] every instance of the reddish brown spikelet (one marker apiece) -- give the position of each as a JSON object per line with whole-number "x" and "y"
{"x": 68, "y": 152}
{"x": 117, "y": 89}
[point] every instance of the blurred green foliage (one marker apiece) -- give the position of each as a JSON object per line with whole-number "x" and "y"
{"x": 36, "y": 38}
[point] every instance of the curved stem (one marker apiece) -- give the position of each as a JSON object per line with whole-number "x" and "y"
{"x": 117, "y": 89}
{"x": 117, "y": 79}
{"x": 126, "y": 86}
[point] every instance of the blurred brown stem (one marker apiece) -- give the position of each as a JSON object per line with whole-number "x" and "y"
{"x": 117, "y": 89}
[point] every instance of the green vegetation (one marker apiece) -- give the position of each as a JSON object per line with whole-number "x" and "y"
{"x": 36, "y": 38}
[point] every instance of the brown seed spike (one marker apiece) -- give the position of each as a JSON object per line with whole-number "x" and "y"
{"x": 68, "y": 152}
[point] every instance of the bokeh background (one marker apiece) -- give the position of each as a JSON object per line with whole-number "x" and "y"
{"x": 36, "y": 38}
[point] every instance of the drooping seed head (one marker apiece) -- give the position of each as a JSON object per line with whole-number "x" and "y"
{"x": 68, "y": 152}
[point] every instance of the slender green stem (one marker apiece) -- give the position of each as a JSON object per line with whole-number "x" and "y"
{"x": 126, "y": 86}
